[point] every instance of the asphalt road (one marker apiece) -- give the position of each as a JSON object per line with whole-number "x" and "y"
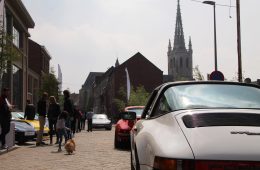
{"x": 94, "y": 151}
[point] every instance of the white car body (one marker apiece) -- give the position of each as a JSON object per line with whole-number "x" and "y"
{"x": 167, "y": 136}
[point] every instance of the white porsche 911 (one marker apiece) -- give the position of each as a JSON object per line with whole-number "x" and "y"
{"x": 207, "y": 125}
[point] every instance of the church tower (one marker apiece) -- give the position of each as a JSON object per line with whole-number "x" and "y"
{"x": 179, "y": 58}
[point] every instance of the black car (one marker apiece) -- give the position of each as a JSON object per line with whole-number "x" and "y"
{"x": 23, "y": 131}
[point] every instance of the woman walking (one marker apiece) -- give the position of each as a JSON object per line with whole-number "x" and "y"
{"x": 53, "y": 113}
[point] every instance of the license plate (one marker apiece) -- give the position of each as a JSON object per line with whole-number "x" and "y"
{"x": 29, "y": 133}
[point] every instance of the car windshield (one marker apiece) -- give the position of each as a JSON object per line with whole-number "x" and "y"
{"x": 99, "y": 116}
{"x": 196, "y": 96}
{"x": 138, "y": 111}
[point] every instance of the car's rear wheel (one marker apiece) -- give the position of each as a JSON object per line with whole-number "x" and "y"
{"x": 136, "y": 160}
{"x": 132, "y": 166}
{"x": 116, "y": 143}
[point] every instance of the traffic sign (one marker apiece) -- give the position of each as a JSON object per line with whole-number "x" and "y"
{"x": 216, "y": 75}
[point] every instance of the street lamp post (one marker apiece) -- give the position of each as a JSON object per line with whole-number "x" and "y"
{"x": 215, "y": 33}
{"x": 239, "y": 43}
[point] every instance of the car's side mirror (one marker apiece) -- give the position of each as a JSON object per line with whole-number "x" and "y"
{"x": 128, "y": 115}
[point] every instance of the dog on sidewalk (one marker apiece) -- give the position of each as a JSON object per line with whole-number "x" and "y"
{"x": 70, "y": 146}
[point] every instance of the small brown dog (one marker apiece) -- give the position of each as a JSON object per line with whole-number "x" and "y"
{"x": 70, "y": 146}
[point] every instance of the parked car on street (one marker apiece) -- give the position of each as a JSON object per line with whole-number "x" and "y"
{"x": 101, "y": 121}
{"x": 199, "y": 126}
{"x": 23, "y": 131}
{"x": 35, "y": 123}
{"x": 124, "y": 126}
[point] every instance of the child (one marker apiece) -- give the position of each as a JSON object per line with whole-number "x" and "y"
{"x": 61, "y": 128}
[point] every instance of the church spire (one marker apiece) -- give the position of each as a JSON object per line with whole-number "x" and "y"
{"x": 117, "y": 63}
{"x": 169, "y": 48}
{"x": 179, "y": 41}
{"x": 190, "y": 46}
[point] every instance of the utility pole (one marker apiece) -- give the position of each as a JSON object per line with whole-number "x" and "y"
{"x": 239, "y": 42}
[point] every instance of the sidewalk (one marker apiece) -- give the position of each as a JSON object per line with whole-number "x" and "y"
{"x": 94, "y": 150}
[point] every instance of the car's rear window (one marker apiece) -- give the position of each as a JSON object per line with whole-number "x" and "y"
{"x": 200, "y": 96}
{"x": 221, "y": 119}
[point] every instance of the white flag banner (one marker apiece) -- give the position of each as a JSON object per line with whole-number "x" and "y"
{"x": 128, "y": 85}
{"x": 60, "y": 77}
{"x": 2, "y": 12}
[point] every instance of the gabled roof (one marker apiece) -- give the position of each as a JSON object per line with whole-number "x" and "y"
{"x": 91, "y": 78}
{"x": 137, "y": 55}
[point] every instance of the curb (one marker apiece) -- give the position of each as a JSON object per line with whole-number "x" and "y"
{"x": 3, "y": 151}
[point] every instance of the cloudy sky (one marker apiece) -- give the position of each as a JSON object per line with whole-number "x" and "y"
{"x": 89, "y": 35}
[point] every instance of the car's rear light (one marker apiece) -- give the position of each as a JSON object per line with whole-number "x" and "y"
{"x": 172, "y": 164}
{"x": 178, "y": 164}
{"x": 223, "y": 165}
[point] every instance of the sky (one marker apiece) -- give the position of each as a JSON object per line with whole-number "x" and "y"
{"x": 89, "y": 35}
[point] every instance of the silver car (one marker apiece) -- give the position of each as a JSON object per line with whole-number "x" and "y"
{"x": 101, "y": 121}
{"x": 199, "y": 126}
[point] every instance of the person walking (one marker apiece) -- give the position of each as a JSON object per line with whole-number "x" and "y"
{"x": 29, "y": 112}
{"x": 42, "y": 111}
{"x": 89, "y": 118}
{"x": 69, "y": 107}
{"x": 5, "y": 116}
{"x": 53, "y": 113}
{"x": 61, "y": 128}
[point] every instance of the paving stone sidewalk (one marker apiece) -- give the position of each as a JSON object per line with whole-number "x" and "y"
{"x": 94, "y": 151}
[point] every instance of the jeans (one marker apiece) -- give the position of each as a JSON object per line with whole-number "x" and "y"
{"x": 40, "y": 132}
{"x": 52, "y": 127}
{"x": 61, "y": 133}
{"x": 5, "y": 128}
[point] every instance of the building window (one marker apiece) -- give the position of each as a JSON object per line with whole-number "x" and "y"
{"x": 16, "y": 37}
{"x": 17, "y": 87}
{"x": 174, "y": 62}
{"x": 180, "y": 62}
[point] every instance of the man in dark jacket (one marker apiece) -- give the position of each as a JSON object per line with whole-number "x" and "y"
{"x": 42, "y": 111}
{"x": 5, "y": 116}
{"x": 29, "y": 113}
{"x": 68, "y": 106}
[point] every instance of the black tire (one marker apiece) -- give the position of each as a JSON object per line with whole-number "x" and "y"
{"x": 132, "y": 166}
{"x": 137, "y": 160}
{"x": 116, "y": 143}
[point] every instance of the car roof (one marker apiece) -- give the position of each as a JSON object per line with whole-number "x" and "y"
{"x": 207, "y": 82}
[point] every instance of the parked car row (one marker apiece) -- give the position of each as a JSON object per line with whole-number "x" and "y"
{"x": 26, "y": 130}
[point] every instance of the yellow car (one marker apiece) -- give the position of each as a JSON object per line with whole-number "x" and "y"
{"x": 35, "y": 123}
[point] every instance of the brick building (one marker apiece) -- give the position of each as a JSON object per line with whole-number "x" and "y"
{"x": 141, "y": 73}
{"x": 17, "y": 21}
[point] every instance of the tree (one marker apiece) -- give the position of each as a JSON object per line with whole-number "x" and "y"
{"x": 138, "y": 97}
{"x": 197, "y": 75}
{"x": 8, "y": 53}
{"x": 120, "y": 102}
{"x": 50, "y": 84}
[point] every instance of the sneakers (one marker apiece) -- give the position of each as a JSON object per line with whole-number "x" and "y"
{"x": 59, "y": 150}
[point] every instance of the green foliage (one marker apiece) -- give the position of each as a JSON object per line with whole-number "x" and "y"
{"x": 50, "y": 84}
{"x": 8, "y": 52}
{"x": 197, "y": 75}
{"x": 120, "y": 102}
{"x": 138, "y": 97}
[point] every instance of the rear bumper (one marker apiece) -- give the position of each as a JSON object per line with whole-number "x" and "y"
{"x": 107, "y": 126}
